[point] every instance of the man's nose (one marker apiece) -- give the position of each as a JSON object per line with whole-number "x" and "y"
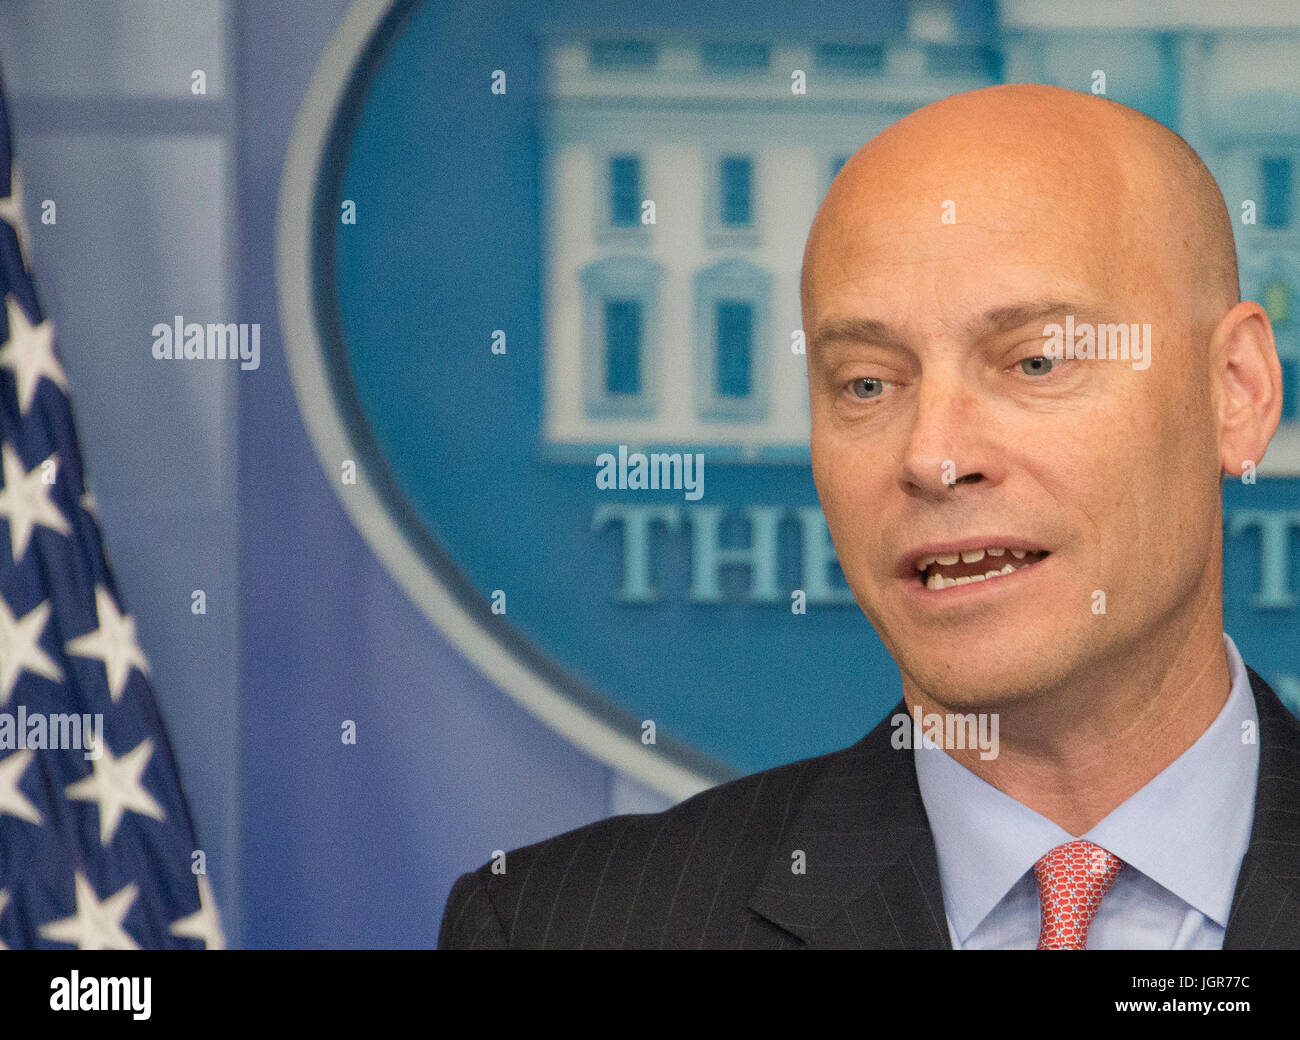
{"x": 947, "y": 443}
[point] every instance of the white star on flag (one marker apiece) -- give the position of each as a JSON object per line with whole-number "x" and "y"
{"x": 115, "y": 786}
{"x": 12, "y": 800}
{"x": 20, "y": 648}
{"x": 204, "y": 923}
{"x": 25, "y": 501}
{"x": 29, "y": 351}
{"x": 96, "y": 925}
{"x": 11, "y": 211}
{"x": 113, "y": 642}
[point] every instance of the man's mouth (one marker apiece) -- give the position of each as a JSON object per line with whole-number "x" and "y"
{"x": 945, "y": 570}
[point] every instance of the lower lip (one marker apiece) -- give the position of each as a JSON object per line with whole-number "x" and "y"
{"x": 957, "y": 594}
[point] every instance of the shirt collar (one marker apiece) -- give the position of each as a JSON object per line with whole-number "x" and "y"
{"x": 1186, "y": 829}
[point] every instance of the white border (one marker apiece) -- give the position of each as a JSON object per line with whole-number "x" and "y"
{"x": 329, "y": 436}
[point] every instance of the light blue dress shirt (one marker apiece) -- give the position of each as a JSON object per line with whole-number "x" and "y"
{"x": 1181, "y": 837}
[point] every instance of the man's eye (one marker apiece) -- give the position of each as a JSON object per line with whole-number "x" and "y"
{"x": 1037, "y": 366}
{"x": 867, "y": 387}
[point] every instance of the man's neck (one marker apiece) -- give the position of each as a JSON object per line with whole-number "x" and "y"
{"x": 1076, "y": 752}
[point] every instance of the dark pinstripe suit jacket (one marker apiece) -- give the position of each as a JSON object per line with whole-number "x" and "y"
{"x": 715, "y": 871}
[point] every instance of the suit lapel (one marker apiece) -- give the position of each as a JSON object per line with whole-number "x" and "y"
{"x": 1266, "y": 904}
{"x": 871, "y": 877}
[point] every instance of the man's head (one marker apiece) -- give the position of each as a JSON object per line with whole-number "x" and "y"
{"x": 943, "y": 250}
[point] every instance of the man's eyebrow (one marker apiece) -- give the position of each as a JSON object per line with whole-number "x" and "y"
{"x": 999, "y": 319}
{"x": 856, "y": 330}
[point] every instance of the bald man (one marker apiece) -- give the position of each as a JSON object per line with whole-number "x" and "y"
{"x": 1029, "y": 371}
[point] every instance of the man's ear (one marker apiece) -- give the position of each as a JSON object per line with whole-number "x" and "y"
{"x": 1247, "y": 385}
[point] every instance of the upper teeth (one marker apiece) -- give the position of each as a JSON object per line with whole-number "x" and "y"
{"x": 966, "y": 556}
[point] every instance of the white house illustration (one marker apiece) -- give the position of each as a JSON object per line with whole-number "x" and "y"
{"x": 680, "y": 176}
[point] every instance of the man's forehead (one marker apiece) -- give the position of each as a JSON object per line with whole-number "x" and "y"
{"x": 961, "y": 273}
{"x": 948, "y": 231}
{"x": 983, "y": 194}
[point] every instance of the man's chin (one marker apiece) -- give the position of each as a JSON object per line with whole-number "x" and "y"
{"x": 996, "y": 682}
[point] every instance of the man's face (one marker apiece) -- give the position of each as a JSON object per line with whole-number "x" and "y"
{"x": 1110, "y": 471}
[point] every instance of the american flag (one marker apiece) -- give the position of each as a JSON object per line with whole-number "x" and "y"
{"x": 95, "y": 852}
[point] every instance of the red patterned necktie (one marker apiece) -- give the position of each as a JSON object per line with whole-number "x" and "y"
{"x": 1072, "y": 878}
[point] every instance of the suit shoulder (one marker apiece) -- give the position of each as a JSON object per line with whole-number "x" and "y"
{"x": 587, "y": 885}
{"x": 726, "y": 806}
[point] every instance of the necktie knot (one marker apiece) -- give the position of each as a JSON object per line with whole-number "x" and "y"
{"x": 1072, "y": 879}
